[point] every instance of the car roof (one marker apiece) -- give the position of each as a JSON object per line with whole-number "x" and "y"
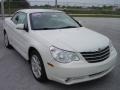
{"x": 38, "y": 10}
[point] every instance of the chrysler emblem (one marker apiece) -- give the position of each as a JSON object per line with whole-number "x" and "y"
{"x": 99, "y": 49}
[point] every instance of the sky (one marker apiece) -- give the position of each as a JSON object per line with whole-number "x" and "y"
{"x": 76, "y": 2}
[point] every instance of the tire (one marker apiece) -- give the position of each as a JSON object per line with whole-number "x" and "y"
{"x": 6, "y": 41}
{"x": 37, "y": 66}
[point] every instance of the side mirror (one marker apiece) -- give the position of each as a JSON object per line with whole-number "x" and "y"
{"x": 20, "y": 26}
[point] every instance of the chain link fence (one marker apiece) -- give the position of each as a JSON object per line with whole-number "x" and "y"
{"x": 70, "y": 7}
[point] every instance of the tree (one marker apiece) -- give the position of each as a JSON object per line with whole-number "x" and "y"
{"x": 16, "y": 4}
{"x": 13, "y": 5}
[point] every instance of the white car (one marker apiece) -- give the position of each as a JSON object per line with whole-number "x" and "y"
{"x": 58, "y": 47}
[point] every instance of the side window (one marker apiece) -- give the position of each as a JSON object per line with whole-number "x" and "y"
{"x": 15, "y": 18}
{"x": 20, "y": 18}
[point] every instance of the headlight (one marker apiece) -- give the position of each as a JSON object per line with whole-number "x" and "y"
{"x": 63, "y": 56}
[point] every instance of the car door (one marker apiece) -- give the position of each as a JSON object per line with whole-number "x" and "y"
{"x": 10, "y": 28}
{"x": 20, "y": 40}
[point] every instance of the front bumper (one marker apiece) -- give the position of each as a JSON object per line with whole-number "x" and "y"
{"x": 80, "y": 72}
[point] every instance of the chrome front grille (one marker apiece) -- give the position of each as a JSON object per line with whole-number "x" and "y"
{"x": 97, "y": 56}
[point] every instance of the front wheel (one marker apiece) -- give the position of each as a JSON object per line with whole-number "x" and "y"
{"x": 37, "y": 66}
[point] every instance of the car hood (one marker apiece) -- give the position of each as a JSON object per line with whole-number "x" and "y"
{"x": 74, "y": 39}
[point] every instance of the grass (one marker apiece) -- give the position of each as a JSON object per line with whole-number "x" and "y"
{"x": 96, "y": 11}
{"x": 95, "y": 15}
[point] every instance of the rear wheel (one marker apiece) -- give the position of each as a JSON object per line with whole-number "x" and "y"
{"x": 37, "y": 66}
{"x": 6, "y": 41}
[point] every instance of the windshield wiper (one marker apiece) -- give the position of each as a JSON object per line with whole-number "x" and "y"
{"x": 56, "y": 28}
{"x": 68, "y": 27}
{"x": 44, "y": 28}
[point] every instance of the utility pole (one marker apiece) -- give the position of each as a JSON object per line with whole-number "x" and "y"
{"x": 2, "y": 12}
{"x": 56, "y": 3}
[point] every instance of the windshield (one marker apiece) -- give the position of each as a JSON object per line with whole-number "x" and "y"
{"x": 51, "y": 20}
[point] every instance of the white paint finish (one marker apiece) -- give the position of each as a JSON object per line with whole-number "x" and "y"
{"x": 78, "y": 39}
{"x": 74, "y": 39}
{"x": 38, "y": 10}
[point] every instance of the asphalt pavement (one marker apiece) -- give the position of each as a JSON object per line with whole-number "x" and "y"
{"x": 15, "y": 72}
